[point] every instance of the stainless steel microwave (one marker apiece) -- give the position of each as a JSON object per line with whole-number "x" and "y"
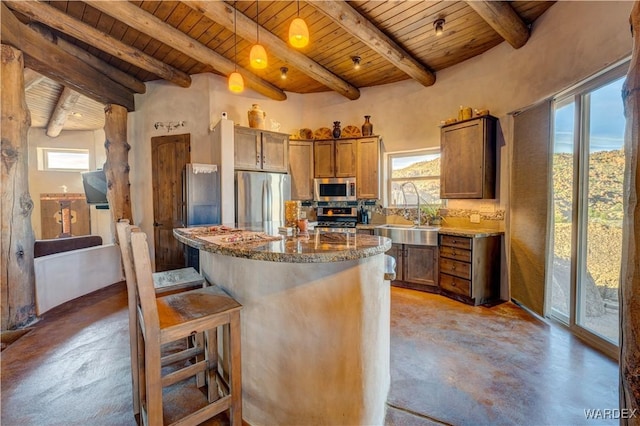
{"x": 334, "y": 189}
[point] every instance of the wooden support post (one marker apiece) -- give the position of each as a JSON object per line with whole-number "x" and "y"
{"x": 117, "y": 165}
{"x": 630, "y": 272}
{"x": 18, "y": 278}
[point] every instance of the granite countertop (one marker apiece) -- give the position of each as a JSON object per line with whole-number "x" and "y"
{"x": 262, "y": 243}
{"x": 470, "y": 232}
{"x": 365, "y": 226}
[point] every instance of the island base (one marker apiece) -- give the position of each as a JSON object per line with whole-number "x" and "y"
{"x": 315, "y": 338}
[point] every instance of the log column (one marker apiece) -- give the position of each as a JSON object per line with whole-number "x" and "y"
{"x": 117, "y": 165}
{"x": 18, "y": 278}
{"x": 630, "y": 272}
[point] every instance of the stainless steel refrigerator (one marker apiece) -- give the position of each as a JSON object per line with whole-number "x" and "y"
{"x": 260, "y": 197}
{"x": 201, "y": 201}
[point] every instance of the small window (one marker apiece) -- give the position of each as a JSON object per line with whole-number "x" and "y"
{"x": 422, "y": 168}
{"x": 56, "y": 159}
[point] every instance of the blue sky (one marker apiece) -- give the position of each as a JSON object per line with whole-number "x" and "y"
{"x": 607, "y": 120}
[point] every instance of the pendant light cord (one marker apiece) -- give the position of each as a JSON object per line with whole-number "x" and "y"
{"x": 235, "y": 37}
{"x": 257, "y": 22}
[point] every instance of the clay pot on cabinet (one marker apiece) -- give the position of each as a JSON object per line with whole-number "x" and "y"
{"x": 336, "y": 129}
{"x": 367, "y": 127}
{"x": 257, "y": 117}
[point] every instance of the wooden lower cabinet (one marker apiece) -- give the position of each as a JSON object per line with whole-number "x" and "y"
{"x": 470, "y": 268}
{"x": 416, "y": 266}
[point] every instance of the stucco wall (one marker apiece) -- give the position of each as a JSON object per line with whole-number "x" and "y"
{"x": 41, "y": 182}
{"x": 570, "y": 42}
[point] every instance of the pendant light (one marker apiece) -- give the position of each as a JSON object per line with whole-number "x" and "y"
{"x": 298, "y": 31}
{"x": 258, "y": 56}
{"x": 236, "y": 83}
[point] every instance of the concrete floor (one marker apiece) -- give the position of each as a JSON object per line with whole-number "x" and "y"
{"x": 450, "y": 364}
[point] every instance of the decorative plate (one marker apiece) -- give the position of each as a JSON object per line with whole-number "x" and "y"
{"x": 323, "y": 133}
{"x": 306, "y": 134}
{"x": 351, "y": 132}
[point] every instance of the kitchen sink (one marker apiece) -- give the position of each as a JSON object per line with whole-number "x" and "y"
{"x": 422, "y": 235}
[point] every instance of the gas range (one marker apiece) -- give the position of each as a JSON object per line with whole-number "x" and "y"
{"x": 337, "y": 219}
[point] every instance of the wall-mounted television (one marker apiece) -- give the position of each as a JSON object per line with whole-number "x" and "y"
{"x": 95, "y": 187}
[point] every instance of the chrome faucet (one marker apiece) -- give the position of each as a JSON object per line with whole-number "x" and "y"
{"x": 404, "y": 198}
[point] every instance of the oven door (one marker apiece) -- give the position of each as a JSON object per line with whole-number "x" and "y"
{"x": 335, "y": 189}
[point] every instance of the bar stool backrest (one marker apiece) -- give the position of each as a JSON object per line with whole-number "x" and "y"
{"x": 144, "y": 282}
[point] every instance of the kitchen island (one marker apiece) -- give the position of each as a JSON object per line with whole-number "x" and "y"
{"x": 315, "y": 322}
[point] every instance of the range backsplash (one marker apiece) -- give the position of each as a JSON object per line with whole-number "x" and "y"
{"x": 451, "y": 217}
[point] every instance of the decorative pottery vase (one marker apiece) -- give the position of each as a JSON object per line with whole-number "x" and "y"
{"x": 257, "y": 117}
{"x": 367, "y": 127}
{"x": 336, "y": 129}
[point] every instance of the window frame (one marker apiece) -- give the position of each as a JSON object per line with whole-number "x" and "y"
{"x": 43, "y": 159}
{"x": 389, "y": 172}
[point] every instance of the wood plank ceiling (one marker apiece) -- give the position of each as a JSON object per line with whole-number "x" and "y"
{"x": 325, "y": 64}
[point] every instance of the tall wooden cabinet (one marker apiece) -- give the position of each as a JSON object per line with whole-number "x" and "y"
{"x": 301, "y": 169}
{"x": 468, "y": 158}
{"x": 367, "y": 168}
{"x": 257, "y": 149}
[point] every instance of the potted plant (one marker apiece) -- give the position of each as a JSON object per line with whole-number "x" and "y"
{"x": 431, "y": 214}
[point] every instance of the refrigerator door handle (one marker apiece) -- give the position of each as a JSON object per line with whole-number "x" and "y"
{"x": 269, "y": 201}
{"x": 265, "y": 200}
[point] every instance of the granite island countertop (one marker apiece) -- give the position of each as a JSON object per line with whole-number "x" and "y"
{"x": 254, "y": 243}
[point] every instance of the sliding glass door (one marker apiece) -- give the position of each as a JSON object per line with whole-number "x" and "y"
{"x": 586, "y": 230}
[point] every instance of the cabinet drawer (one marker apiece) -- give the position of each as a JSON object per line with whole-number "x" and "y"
{"x": 455, "y": 253}
{"x": 454, "y": 267}
{"x": 459, "y": 242}
{"x": 455, "y": 285}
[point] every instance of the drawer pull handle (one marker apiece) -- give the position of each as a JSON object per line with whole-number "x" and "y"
{"x": 453, "y": 284}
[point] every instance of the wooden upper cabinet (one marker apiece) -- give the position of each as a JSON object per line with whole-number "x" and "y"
{"x": 367, "y": 168}
{"x": 345, "y": 158}
{"x": 335, "y": 158}
{"x": 301, "y": 169}
{"x": 275, "y": 152}
{"x": 324, "y": 159}
{"x": 260, "y": 150}
{"x": 468, "y": 159}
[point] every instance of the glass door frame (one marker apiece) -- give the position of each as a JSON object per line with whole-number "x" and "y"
{"x": 580, "y": 96}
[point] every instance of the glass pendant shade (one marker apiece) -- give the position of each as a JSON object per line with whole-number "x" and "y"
{"x": 258, "y": 57}
{"x": 236, "y": 83}
{"x": 298, "y": 33}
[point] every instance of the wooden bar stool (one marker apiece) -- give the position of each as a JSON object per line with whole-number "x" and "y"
{"x": 177, "y": 316}
{"x": 165, "y": 282}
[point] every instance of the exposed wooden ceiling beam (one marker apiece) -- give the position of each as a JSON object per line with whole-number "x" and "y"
{"x": 54, "y": 18}
{"x": 110, "y": 71}
{"x": 31, "y": 78}
{"x": 51, "y": 61}
{"x": 222, "y": 13}
{"x": 148, "y": 24}
{"x": 504, "y": 20}
{"x": 67, "y": 100}
{"x": 358, "y": 26}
